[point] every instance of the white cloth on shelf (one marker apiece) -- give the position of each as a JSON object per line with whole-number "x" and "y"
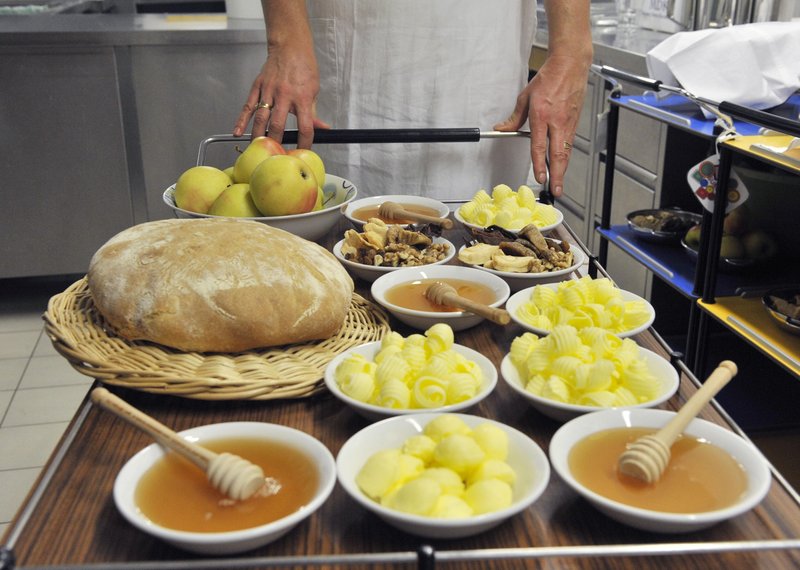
{"x": 755, "y": 65}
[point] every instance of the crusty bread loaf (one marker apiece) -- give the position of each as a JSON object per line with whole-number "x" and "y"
{"x": 217, "y": 285}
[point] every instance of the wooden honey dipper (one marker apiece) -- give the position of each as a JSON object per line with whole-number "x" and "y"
{"x": 237, "y": 478}
{"x": 648, "y": 456}
{"x": 444, "y": 294}
{"x": 394, "y": 211}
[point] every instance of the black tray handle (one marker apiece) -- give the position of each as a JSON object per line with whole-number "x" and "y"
{"x": 646, "y": 82}
{"x": 761, "y": 118}
{"x": 351, "y": 136}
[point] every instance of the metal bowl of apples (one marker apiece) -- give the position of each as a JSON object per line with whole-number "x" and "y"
{"x": 267, "y": 184}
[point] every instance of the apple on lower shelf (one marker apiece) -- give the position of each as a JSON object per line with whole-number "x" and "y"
{"x": 754, "y": 244}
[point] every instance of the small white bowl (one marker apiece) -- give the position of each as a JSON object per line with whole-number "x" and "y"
{"x": 311, "y": 225}
{"x": 562, "y": 412}
{"x": 372, "y": 272}
{"x": 521, "y": 297}
{"x": 518, "y": 281}
{"x": 373, "y": 412}
{"x": 423, "y": 320}
{"x": 524, "y": 456}
{"x": 543, "y": 229}
{"x": 746, "y": 454}
{"x": 234, "y": 541}
{"x": 442, "y": 210}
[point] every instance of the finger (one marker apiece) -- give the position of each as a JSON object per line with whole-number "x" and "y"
{"x": 560, "y": 151}
{"x": 261, "y": 118}
{"x": 517, "y": 118}
{"x": 305, "y": 128}
{"x": 539, "y": 150}
{"x": 277, "y": 122}
{"x": 248, "y": 109}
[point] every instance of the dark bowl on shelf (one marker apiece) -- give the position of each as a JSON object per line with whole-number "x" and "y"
{"x": 726, "y": 264}
{"x": 774, "y": 300}
{"x": 662, "y": 225}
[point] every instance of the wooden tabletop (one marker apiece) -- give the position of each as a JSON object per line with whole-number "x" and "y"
{"x": 70, "y": 518}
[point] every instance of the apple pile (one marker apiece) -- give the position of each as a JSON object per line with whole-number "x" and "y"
{"x": 740, "y": 240}
{"x": 265, "y": 180}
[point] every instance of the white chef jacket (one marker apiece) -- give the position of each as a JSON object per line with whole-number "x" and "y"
{"x": 418, "y": 64}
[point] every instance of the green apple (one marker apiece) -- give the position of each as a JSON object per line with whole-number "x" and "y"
{"x": 235, "y": 201}
{"x": 314, "y": 162}
{"x": 731, "y": 248}
{"x": 758, "y": 244}
{"x": 283, "y": 185}
{"x": 198, "y": 187}
{"x": 737, "y": 221}
{"x": 692, "y": 237}
{"x": 229, "y": 172}
{"x": 259, "y": 149}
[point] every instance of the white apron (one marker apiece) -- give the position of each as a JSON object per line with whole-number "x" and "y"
{"x": 419, "y": 64}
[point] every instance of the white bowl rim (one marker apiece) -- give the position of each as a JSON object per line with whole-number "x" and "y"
{"x": 141, "y": 522}
{"x": 337, "y": 252}
{"x": 444, "y": 315}
{"x": 442, "y": 208}
{"x": 577, "y": 261}
{"x": 559, "y": 454}
{"x": 671, "y": 384}
{"x": 518, "y": 506}
{"x": 490, "y": 382}
{"x": 547, "y": 228}
{"x": 523, "y": 295}
{"x": 352, "y": 193}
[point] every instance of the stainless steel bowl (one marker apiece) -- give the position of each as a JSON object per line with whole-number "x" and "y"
{"x": 784, "y": 321}
{"x": 726, "y": 264}
{"x": 671, "y": 224}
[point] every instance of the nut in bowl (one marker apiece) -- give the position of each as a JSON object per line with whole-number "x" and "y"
{"x": 437, "y": 375}
{"x": 609, "y": 373}
{"x": 581, "y": 303}
{"x": 402, "y": 293}
{"x": 456, "y": 511}
{"x": 337, "y": 192}
{"x": 361, "y": 210}
{"x": 170, "y": 499}
{"x": 723, "y": 477}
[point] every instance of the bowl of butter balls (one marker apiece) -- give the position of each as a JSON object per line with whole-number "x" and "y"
{"x": 442, "y": 476}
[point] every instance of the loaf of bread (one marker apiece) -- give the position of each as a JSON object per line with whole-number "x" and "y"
{"x": 218, "y": 285}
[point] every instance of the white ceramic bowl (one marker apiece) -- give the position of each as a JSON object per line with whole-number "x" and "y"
{"x": 442, "y": 209}
{"x": 547, "y": 228}
{"x": 752, "y": 461}
{"x": 371, "y": 272}
{"x": 518, "y": 281}
{"x": 458, "y": 320}
{"x": 521, "y": 297}
{"x": 311, "y": 226}
{"x": 525, "y": 457}
{"x": 234, "y": 541}
{"x": 374, "y": 412}
{"x": 562, "y": 412}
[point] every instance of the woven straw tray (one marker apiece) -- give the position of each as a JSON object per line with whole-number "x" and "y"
{"x": 80, "y": 334}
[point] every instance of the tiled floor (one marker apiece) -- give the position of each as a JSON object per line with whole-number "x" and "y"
{"x": 39, "y": 390}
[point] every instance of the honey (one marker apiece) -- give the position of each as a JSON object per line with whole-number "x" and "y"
{"x": 176, "y": 494}
{"x": 411, "y": 295}
{"x": 367, "y": 212}
{"x": 700, "y": 476}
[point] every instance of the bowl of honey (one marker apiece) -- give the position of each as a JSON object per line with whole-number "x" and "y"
{"x": 713, "y": 474}
{"x": 171, "y": 499}
{"x": 361, "y": 210}
{"x": 402, "y": 293}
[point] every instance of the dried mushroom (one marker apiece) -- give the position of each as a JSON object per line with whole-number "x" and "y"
{"x": 383, "y": 245}
{"x": 528, "y": 252}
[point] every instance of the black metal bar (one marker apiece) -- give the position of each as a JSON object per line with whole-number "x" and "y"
{"x": 761, "y": 118}
{"x": 367, "y": 136}
{"x": 608, "y": 181}
{"x": 717, "y": 218}
{"x": 645, "y": 82}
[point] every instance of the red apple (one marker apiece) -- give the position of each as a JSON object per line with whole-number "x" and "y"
{"x": 259, "y": 149}
{"x": 313, "y": 160}
{"x": 283, "y": 185}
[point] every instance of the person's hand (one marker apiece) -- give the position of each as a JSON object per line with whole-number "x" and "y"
{"x": 551, "y": 102}
{"x": 288, "y": 83}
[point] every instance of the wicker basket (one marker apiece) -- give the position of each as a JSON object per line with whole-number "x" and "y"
{"x": 80, "y": 334}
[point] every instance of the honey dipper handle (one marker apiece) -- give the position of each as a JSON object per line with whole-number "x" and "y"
{"x": 444, "y": 294}
{"x": 721, "y": 375}
{"x": 394, "y": 210}
{"x": 161, "y": 433}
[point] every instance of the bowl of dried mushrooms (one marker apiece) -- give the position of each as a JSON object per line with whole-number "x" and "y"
{"x": 381, "y": 248}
